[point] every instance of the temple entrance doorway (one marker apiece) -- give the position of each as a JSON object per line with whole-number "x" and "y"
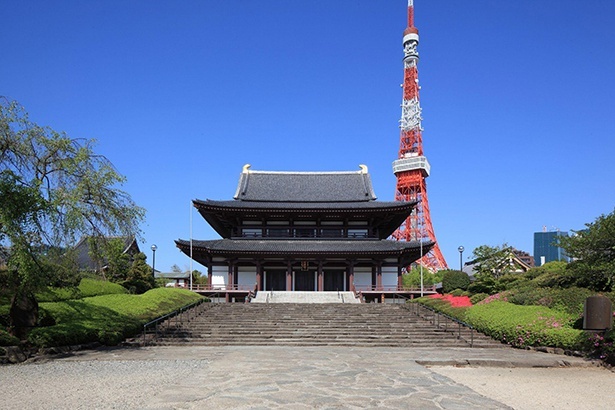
{"x": 334, "y": 280}
{"x": 305, "y": 281}
{"x": 275, "y": 280}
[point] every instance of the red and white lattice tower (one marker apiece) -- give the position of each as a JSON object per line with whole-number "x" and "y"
{"x": 412, "y": 168}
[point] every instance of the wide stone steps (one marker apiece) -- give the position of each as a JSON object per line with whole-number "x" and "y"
{"x": 315, "y": 325}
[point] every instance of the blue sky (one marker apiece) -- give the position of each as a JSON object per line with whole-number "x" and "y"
{"x": 517, "y": 97}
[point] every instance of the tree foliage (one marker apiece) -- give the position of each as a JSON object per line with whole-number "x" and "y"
{"x": 593, "y": 252}
{"x": 454, "y": 279}
{"x": 53, "y": 190}
{"x": 493, "y": 261}
{"x": 139, "y": 278}
{"x": 412, "y": 279}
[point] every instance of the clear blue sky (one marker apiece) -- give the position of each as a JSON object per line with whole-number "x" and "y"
{"x": 518, "y": 102}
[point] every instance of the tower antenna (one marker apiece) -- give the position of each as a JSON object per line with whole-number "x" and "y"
{"x": 412, "y": 168}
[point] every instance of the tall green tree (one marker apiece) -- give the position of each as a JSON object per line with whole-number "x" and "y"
{"x": 139, "y": 278}
{"x": 53, "y": 190}
{"x": 493, "y": 261}
{"x": 593, "y": 253}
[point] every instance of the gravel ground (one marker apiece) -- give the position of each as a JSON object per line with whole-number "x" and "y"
{"x": 305, "y": 378}
{"x": 536, "y": 388}
{"x": 89, "y": 384}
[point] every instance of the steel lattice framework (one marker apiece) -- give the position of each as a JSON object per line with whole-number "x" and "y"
{"x": 412, "y": 168}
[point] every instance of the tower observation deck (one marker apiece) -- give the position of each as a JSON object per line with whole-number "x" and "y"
{"x": 411, "y": 168}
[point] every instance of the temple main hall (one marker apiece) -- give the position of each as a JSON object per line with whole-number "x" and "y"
{"x": 304, "y": 231}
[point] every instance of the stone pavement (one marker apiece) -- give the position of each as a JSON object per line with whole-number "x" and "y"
{"x": 275, "y": 377}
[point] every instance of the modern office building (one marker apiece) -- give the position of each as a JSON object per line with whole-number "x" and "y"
{"x": 546, "y": 249}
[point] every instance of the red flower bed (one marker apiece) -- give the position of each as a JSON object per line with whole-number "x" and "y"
{"x": 455, "y": 301}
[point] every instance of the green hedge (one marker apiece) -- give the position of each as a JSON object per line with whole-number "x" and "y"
{"x": 87, "y": 287}
{"x": 443, "y": 306}
{"x": 525, "y": 325}
{"x": 107, "y": 319}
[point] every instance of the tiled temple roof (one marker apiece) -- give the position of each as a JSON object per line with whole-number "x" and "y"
{"x": 271, "y": 186}
{"x": 274, "y": 246}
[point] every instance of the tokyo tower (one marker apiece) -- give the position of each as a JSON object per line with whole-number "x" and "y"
{"x": 412, "y": 168}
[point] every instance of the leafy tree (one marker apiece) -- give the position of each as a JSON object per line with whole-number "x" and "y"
{"x": 455, "y": 279}
{"x": 493, "y": 261}
{"x": 139, "y": 278}
{"x": 198, "y": 278}
{"x": 53, "y": 189}
{"x": 413, "y": 277}
{"x": 117, "y": 261}
{"x": 593, "y": 252}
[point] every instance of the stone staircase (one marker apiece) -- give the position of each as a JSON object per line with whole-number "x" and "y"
{"x": 316, "y": 324}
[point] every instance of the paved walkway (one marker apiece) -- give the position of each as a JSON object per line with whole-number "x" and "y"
{"x": 305, "y": 378}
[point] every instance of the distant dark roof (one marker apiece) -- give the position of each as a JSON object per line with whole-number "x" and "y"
{"x": 172, "y": 275}
{"x": 303, "y": 247}
{"x": 85, "y": 260}
{"x": 270, "y": 186}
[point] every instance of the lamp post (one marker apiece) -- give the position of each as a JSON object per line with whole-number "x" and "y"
{"x": 154, "y": 247}
{"x": 461, "y": 249}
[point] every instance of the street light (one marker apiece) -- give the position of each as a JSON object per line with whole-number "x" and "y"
{"x": 154, "y": 247}
{"x": 461, "y": 249}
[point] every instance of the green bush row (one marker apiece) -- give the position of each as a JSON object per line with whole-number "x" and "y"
{"x": 525, "y": 325}
{"x": 87, "y": 287}
{"x": 107, "y": 319}
{"x": 444, "y": 307}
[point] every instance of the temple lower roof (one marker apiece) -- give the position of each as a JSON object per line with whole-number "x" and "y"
{"x": 270, "y": 247}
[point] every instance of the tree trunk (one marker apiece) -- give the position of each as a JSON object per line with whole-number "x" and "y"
{"x": 23, "y": 313}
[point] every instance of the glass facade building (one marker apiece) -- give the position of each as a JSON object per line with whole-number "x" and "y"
{"x": 546, "y": 249}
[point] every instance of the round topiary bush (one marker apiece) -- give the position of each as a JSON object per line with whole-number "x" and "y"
{"x": 454, "y": 279}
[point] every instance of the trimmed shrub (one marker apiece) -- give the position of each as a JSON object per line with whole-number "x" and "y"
{"x": 523, "y": 326}
{"x": 107, "y": 319}
{"x": 556, "y": 279}
{"x": 87, "y": 287}
{"x": 454, "y": 306}
{"x": 512, "y": 281}
{"x": 96, "y": 287}
{"x": 454, "y": 279}
{"x": 7, "y": 339}
{"x": 479, "y": 297}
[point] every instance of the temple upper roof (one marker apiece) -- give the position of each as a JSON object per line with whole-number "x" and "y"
{"x": 323, "y": 187}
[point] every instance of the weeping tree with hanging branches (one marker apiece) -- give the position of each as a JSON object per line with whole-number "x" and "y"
{"x": 53, "y": 190}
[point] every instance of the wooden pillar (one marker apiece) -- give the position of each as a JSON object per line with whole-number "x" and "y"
{"x": 379, "y": 275}
{"x": 351, "y": 275}
{"x": 209, "y": 275}
{"x": 319, "y": 278}
{"x": 229, "y": 283}
{"x": 374, "y": 278}
{"x": 231, "y": 270}
{"x": 259, "y": 275}
{"x": 400, "y": 278}
{"x": 289, "y": 276}
{"x": 236, "y": 276}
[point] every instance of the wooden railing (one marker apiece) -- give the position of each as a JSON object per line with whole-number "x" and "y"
{"x": 394, "y": 288}
{"x": 215, "y": 288}
{"x": 443, "y": 321}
